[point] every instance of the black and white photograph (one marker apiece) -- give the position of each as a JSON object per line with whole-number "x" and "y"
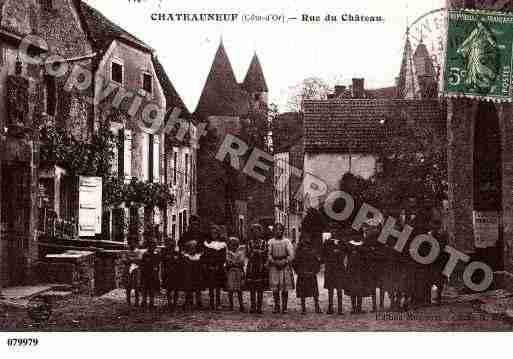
{"x": 271, "y": 167}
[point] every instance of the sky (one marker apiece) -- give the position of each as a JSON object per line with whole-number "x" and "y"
{"x": 288, "y": 52}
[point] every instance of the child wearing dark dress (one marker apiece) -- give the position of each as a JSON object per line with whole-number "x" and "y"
{"x": 257, "y": 277}
{"x": 307, "y": 264}
{"x": 333, "y": 257}
{"x": 214, "y": 256}
{"x": 192, "y": 273}
{"x": 172, "y": 272}
{"x": 150, "y": 273}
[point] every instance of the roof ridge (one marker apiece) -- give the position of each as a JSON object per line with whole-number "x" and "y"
{"x": 99, "y": 26}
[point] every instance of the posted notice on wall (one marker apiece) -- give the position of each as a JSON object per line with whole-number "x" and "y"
{"x": 90, "y": 206}
{"x": 486, "y": 228}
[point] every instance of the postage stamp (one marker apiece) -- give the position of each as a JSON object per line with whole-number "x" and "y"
{"x": 478, "y": 55}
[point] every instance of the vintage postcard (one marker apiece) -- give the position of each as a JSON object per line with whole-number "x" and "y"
{"x": 275, "y": 166}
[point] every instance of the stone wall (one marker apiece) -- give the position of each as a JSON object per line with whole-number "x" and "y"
{"x": 75, "y": 268}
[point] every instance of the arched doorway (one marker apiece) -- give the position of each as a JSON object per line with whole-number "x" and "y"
{"x": 487, "y": 196}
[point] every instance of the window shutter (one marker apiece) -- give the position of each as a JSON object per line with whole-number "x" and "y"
{"x": 156, "y": 159}
{"x": 145, "y": 156}
{"x": 127, "y": 154}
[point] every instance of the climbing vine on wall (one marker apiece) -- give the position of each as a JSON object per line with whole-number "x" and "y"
{"x": 92, "y": 158}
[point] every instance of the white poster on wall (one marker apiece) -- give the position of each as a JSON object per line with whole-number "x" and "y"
{"x": 486, "y": 228}
{"x": 90, "y": 206}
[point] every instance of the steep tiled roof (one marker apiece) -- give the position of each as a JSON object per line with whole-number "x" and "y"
{"x": 408, "y": 84}
{"x": 358, "y": 125}
{"x": 103, "y": 31}
{"x": 382, "y": 93}
{"x": 222, "y": 95}
{"x": 423, "y": 62}
{"x": 287, "y": 131}
{"x": 255, "y": 80}
{"x": 173, "y": 99}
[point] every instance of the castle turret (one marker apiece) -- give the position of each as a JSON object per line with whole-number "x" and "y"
{"x": 254, "y": 82}
{"x": 222, "y": 95}
{"x": 408, "y": 83}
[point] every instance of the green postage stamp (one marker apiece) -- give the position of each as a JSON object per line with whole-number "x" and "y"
{"x": 478, "y": 55}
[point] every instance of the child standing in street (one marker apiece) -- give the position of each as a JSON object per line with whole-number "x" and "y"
{"x": 213, "y": 259}
{"x": 235, "y": 271}
{"x": 256, "y": 275}
{"x": 150, "y": 273}
{"x": 307, "y": 265}
{"x": 192, "y": 276}
{"x": 281, "y": 277}
{"x": 334, "y": 256}
{"x": 171, "y": 265}
{"x": 132, "y": 273}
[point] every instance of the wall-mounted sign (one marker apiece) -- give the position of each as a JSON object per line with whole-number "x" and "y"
{"x": 90, "y": 206}
{"x": 486, "y": 228}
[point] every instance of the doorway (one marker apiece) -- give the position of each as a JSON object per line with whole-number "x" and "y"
{"x": 16, "y": 219}
{"x": 488, "y": 187}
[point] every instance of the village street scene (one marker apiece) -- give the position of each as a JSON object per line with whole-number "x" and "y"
{"x": 347, "y": 207}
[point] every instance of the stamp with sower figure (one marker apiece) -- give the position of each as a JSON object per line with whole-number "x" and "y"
{"x": 478, "y": 55}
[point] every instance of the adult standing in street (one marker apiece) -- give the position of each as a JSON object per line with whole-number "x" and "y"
{"x": 281, "y": 277}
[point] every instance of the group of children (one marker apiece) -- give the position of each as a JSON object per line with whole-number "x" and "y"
{"x": 209, "y": 262}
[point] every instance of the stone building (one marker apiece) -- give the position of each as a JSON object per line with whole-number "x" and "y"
{"x": 225, "y": 195}
{"x": 29, "y": 98}
{"x": 342, "y": 136}
{"x": 35, "y": 191}
{"x": 288, "y": 145}
{"x": 480, "y": 168}
{"x": 128, "y": 63}
{"x": 180, "y": 159}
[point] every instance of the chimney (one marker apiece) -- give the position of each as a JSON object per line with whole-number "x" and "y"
{"x": 358, "y": 88}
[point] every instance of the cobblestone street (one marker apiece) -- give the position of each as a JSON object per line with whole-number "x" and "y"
{"x": 110, "y": 313}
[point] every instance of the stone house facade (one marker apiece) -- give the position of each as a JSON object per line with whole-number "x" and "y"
{"x": 74, "y": 37}
{"x": 128, "y": 63}
{"x": 30, "y": 97}
{"x": 180, "y": 160}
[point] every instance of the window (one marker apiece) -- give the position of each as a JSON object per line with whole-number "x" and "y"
{"x": 186, "y": 168}
{"x": 117, "y": 72}
{"x": 180, "y": 224}
{"x": 184, "y": 220}
{"x": 48, "y": 5}
{"x": 2, "y": 56}
{"x": 146, "y": 156}
{"x": 127, "y": 154}
{"x": 156, "y": 158}
{"x": 51, "y": 95}
{"x": 241, "y": 228}
{"x": 173, "y": 227}
{"x": 147, "y": 82}
{"x": 175, "y": 164}
{"x": 153, "y": 158}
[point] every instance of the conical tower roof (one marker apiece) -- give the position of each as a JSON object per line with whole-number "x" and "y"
{"x": 408, "y": 84}
{"x": 423, "y": 62}
{"x": 255, "y": 80}
{"x": 221, "y": 94}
